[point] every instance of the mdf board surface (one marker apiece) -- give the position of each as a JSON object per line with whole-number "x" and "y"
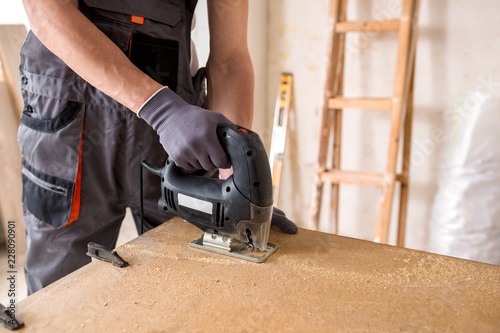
{"x": 315, "y": 282}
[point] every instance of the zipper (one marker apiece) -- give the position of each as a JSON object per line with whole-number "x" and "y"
{"x": 43, "y": 184}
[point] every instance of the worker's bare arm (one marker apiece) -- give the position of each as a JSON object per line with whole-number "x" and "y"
{"x": 229, "y": 67}
{"x": 65, "y": 31}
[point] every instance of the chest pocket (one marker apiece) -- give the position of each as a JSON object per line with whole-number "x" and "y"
{"x": 148, "y": 32}
{"x": 119, "y": 19}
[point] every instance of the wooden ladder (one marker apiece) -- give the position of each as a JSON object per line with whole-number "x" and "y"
{"x": 400, "y": 105}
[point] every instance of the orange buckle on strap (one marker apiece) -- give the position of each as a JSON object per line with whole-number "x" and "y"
{"x": 137, "y": 19}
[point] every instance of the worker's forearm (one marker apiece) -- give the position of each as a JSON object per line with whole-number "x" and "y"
{"x": 229, "y": 68}
{"x": 66, "y": 32}
{"x": 230, "y": 89}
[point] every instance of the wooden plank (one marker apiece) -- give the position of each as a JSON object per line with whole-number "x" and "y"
{"x": 337, "y": 127}
{"x": 370, "y": 26}
{"x": 405, "y": 169}
{"x": 11, "y": 101}
{"x": 360, "y": 103}
{"x": 333, "y": 87}
{"x": 406, "y": 54}
{"x": 337, "y": 176}
{"x": 315, "y": 282}
{"x": 355, "y": 177}
{"x": 10, "y": 170}
{"x": 12, "y": 37}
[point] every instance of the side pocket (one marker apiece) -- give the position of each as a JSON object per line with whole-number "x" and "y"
{"x": 51, "y": 125}
{"x": 47, "y": 197}
{"x": 51, "y": 166}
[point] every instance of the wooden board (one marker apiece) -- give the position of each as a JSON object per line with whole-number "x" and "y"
{"x": 315, "y": 282}
{"x": 10, "y": 169}
{"x": 11, "y": 105}
{"x": 12, "y": 37}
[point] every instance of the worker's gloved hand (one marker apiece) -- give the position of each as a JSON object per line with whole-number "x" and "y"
{"x": 280, "y": 221}
{"x": 187, "y": 133}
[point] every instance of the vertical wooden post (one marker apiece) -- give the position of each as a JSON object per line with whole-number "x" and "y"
{"x": 405, "y": 172}
{"x": 401, "y": 88}
{"x": 333, "y": 86}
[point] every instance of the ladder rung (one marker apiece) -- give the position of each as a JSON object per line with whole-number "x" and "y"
{"x": 336, "y": 176}
{"x": 370, "y": 26}
{"x": 353, "y": 177}
{"x": 360, "y": 103}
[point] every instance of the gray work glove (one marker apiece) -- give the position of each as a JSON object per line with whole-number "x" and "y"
{"x": 187, "y": 132}
{"x": 280, "y": 221}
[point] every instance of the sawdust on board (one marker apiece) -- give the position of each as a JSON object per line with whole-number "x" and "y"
{"x": 420, "y": 269}
{"x": 144, "y": 251}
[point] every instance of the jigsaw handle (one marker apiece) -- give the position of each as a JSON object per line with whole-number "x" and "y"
{"x": 251, "y": 170}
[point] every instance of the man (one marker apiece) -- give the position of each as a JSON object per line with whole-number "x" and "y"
{"x": 90, "y": 70}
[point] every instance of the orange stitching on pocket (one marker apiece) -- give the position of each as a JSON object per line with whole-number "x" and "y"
{"x": 75, "y": 207}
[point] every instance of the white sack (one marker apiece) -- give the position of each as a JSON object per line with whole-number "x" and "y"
{"x": 465, "y": 217}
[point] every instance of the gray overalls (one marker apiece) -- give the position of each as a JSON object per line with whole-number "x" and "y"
{"x": 81, "y": 149}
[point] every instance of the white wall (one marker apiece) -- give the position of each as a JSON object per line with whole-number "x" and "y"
{"x": 458, "y": 51}
{"x": 12, "y": 12}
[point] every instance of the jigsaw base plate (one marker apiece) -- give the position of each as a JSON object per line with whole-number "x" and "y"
{"x": 237, "y": 252}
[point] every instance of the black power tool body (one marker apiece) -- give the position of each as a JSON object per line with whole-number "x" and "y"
{"x": 234, "y": 213}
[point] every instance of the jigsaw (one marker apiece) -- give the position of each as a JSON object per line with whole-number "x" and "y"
{"x": 234, "y": 213}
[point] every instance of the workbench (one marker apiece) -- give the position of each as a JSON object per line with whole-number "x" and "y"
{"x": 315, "y": 282}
